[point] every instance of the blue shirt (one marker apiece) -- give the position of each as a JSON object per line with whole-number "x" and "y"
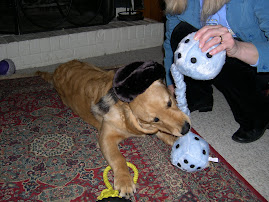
{"x": 218, "y": 18}
{"x": 248, "y": 19}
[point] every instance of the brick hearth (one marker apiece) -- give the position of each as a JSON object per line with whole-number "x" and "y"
{"x": 47, "y": 48}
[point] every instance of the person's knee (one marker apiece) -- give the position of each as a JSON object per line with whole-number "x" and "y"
{"x": 180, "y": 31}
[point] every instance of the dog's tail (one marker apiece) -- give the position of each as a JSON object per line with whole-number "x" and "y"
{"x": 46, "y": 76}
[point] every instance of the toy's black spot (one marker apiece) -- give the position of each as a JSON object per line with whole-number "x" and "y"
{"x": 193, "y": 60}
{"x": 196, "y": 138}
{"x": 192, "y": 166}
{"x": 177, "y": 146}
{"x": 208, "y": 55}
{"x": 178, "y": 164}
{"x": 179, "y": 55}
{"x": 198, "y": 168}
{"x": 204, "y": 152}
{"x": 187, "y": 40}
{"x": 156, "y": 119}
{"x": 186, "y": 161}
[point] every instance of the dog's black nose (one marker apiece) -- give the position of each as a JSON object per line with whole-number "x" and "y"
{"x": 185, "y": 128}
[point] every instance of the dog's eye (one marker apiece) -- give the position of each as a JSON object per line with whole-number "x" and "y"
{"x": 156, "y": 119}
{"x": 169, "y": 103}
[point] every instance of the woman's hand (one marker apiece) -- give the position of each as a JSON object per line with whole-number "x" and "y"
{"x": 244, "y": 51}
{"x": 219, "y": 34}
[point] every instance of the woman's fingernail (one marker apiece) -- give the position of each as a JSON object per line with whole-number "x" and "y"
{"x": 196, "y": 38}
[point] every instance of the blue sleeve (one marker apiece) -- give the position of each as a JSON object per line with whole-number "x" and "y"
{"x": 261, "y": 11}
{"x": 171, "y": 22}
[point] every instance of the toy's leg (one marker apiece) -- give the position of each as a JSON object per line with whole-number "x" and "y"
{"x": 180, "y": 90}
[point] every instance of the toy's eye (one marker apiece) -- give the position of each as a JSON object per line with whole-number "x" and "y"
{"x": 156, "y": 119}
{"x": 193, "y": 60}
{"x": 208, "y": 55}
{"x": 192, "y": 166}
{"x": 187, "y": 40}
{"x": 177, "y": 146}
{"x": 196, "y": 138}
{"x": 179, "y": 55}
{"x": 204, "y": 152}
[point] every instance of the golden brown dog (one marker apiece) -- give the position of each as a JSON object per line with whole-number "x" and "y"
{"x": 88, "y": 91}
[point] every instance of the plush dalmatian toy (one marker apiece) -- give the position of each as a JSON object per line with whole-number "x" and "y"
{"x": 191, "y": 152}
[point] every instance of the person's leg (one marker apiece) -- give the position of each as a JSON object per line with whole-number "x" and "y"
{"x": 242, "y": 88}
{"x": 180, "y": 31}
{"x": 198, "y": 93}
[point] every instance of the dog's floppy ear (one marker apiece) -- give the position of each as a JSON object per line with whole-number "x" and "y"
{"x": 131, "y": 80}
{"x": 133, "y": 122}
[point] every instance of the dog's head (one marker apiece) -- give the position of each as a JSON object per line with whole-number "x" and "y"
{"x": 153, "y": 107}
{"x": 156, "y": 108}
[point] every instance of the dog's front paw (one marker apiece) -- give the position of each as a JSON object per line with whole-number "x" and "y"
{"x": 125, "y": 185}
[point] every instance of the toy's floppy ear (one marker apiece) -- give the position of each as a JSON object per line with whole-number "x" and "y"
{"x": 133, "y": 79}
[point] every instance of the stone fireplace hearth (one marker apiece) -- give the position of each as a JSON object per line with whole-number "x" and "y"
{"x": 53, "y": 47}
{"x": 72, "y": 38}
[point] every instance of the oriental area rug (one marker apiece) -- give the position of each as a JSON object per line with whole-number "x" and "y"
{"x": 50, "y": 154}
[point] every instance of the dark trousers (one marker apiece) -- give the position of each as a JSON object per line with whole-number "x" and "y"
{"x": 239, "y": 82}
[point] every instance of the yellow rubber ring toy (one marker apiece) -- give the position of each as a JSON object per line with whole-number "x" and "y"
{"x": 110, "y": 192}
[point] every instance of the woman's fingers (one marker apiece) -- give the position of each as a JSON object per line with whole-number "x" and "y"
{"x": 215, "y": 40}
{"x": 218, "y": 35}
{"x": 207, "y": 32}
